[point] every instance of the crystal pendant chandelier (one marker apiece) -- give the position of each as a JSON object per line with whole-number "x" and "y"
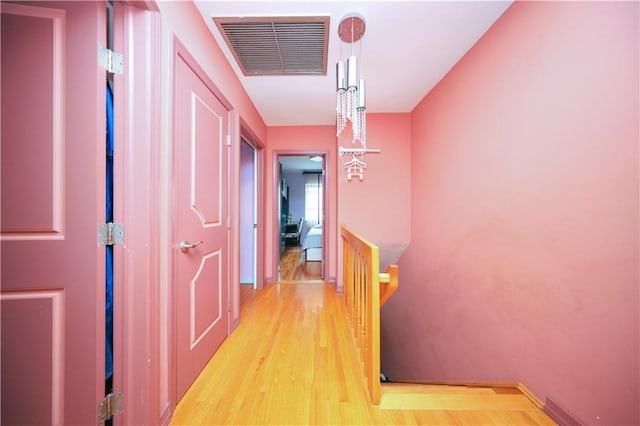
{"x": 350, "y": 99}
{"x": 350, "y": 103}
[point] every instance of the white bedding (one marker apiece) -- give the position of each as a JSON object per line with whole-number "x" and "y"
{"x": 313, "y": 238}
{"x": 312, "y": 244}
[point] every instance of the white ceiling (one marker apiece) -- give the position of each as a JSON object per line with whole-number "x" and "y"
{"x": 407, "y": 48}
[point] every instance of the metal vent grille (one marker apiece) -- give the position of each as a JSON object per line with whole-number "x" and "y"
{"x": 277, "y": 46}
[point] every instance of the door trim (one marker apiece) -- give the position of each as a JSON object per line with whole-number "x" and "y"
{"x": 326, "y": 224}
{"x": 138, "y": 360}
{"x": 250, "y": 136}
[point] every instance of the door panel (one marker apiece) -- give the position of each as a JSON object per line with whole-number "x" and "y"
{"x": 33, "y": 43}
{"x": 52, "y": 197}
{"x": 32, "y": 319}
{"x": 201, "y": 210}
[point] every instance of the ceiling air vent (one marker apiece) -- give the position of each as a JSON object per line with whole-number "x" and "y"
{"x": 277, "y": 46}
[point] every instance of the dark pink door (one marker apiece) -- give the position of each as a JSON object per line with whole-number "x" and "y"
{"x": 52, "y": 197}
{"x": 201, "y": 233}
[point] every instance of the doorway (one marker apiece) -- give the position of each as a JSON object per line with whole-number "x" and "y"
{"x": 301, "y": 213}
{"x": 248, "y": 213}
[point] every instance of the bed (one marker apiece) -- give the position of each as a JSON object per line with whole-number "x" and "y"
{"x": 312, "y": 245}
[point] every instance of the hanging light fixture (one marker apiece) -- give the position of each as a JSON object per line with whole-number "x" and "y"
{"x": 350, "y": 98}
{"x": 351, "y": 103}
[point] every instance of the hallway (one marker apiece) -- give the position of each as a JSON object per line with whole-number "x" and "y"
{"x": 292, "y": 361}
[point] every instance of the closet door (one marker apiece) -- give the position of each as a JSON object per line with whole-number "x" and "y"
{"x": 52, "y": 199}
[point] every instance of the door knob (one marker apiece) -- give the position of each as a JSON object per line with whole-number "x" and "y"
{"x": 186, "y": 245}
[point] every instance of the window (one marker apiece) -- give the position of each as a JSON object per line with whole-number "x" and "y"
{"x": 313, "y": 198}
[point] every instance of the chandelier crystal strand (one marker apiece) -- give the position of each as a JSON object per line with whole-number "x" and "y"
{"x": 355, "y": 122}
{"x": 361, "y": 113}
{"x": 349, "y": 104}
{"x": 340, "y": 119}
{"x": 343, "y": 108}
{"x": 362, "y": 118}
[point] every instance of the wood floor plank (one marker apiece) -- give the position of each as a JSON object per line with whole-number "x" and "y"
{"x": 455, "y": 401}
{"x": 293, "y": 267}
{"x": 292, "y": 360}
{"x": 437, "y": 389}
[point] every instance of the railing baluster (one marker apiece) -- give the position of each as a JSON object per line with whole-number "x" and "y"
{"x": 361, "y": 275}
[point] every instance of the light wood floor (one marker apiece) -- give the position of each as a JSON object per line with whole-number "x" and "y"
{"x": 294, "y": 268}
{"x": 292, "y": 361}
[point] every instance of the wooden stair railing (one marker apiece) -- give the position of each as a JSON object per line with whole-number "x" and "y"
{"x": 366, "y": 289}
{"x": 388, "y": 283}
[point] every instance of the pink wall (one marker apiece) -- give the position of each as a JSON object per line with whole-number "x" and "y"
{"x": 382, "y": 197}
{"x": 303, "y": 139}
{"x": 523, "y": 263}
{"x": 378, "y": 207}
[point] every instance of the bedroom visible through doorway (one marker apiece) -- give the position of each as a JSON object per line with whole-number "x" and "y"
{"x": 301, "y": 194}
